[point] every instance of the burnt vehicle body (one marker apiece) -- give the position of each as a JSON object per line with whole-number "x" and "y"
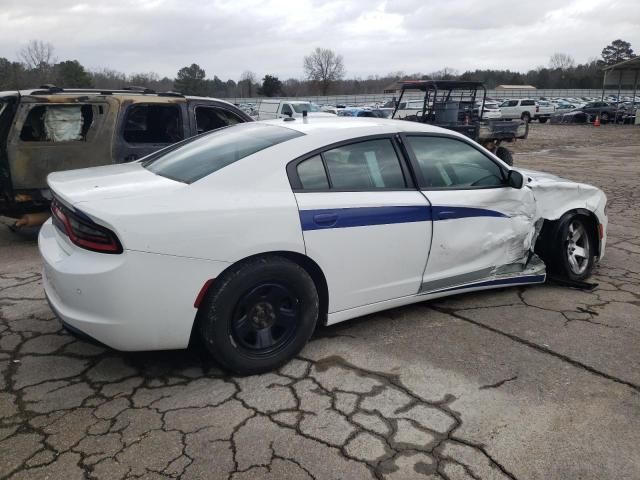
{"x": 52, "y": 129}
{"x": 452, "y": 105}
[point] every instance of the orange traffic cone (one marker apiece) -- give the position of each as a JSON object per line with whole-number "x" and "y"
{"x": 596, "y": 123}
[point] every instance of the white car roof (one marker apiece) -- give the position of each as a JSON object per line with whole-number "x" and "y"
{"x": 351, "y": 127}
{"x": 320, "y": 132}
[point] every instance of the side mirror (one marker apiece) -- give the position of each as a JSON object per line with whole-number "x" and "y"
{"x": 515, "y": 179}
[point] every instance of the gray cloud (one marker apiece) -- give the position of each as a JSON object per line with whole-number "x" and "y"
{"x": 272, "y": 36}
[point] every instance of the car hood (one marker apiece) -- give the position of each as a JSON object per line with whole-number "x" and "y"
{"x": 556, "y": 195}
{"x": 108, "y": 182}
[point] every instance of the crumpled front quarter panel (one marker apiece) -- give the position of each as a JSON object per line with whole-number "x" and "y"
{"x": 555, "y": 196}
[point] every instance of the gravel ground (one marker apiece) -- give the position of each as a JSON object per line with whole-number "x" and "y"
{"x": 524, "y": 383}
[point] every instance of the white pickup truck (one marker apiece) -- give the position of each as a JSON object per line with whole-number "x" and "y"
{"x": 527, "y": 109}
{"x": 544, "y": 110}
{"x": 522, "y": 109}
{"x": 270, "y": 109}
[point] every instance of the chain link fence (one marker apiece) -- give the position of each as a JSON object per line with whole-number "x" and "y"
{"x": 495, "y": 94}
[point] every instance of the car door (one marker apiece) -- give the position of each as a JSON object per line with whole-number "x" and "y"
{"x": 509, "y": 109}
{"x": 50, "y": 136}
{"x": 363, "y": 221}
{"x": 149, "y": 126}
{"x": 480, "y": 225}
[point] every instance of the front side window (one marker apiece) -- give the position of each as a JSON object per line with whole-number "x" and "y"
{"x": 449, "y": 163}
{"x": 150, "y": 123}
{"x": 212, "y": 118}
{"x": 57, "y": 123}
{"x": 201, "y": 156}
{"x": 286, "y": 110}
{"x": 365, "y": 165}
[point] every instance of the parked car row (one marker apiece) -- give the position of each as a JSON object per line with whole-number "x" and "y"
{"x": 605, "y": 111}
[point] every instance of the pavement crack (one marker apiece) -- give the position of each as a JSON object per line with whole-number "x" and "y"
{"x": 542, "y": 349}
{"x": 499, "y": 384}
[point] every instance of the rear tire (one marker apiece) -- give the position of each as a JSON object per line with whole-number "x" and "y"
{"x": 259, "y": 314}
{"x": 543, "y": 120}
{"x": 505, "y": 155}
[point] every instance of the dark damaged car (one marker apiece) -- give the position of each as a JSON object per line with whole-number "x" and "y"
{"x": 52, "y": 129}
{"x": 607, "y": 112}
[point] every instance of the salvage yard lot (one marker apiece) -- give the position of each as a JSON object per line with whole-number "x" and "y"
{"x": 535, "y": 382}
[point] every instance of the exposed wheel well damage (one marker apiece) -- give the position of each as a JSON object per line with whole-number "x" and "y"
{"x": 311, "y": 267}
{"x": 550, "y": 228}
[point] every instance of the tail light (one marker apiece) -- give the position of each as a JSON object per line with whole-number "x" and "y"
{"x": 82, "y": 231}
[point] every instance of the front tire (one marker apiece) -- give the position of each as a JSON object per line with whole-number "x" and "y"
{"x": 505, "y": 155}
{"x": 259, "y": 314}
{"x": 570, "y": 250}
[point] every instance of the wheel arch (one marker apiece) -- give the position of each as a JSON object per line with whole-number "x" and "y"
{"x": 308, "y": 264}
{"x": 550, "y": 227}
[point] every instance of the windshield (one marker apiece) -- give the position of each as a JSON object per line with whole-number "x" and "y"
{"x": 300, "y": 107}
{"x": 205, "y": 154}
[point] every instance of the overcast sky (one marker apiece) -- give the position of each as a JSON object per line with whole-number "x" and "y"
{"x": 272, "y": 36}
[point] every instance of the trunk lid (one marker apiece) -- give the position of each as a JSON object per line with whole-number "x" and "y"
{"x": 125, "y": 180}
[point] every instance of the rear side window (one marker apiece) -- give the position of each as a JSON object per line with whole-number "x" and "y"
{"x": 312, "y": 174}
{"x": 197, "y": 158}
{"x": 211, "y": 118}
{"x": 153, "y": 124}
{"x": 365, "y": 165}
{"x": 527, "y": 103}
{"x": 57, "y": 123}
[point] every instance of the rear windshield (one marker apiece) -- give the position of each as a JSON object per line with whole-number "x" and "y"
{"x": 198, "y": 157}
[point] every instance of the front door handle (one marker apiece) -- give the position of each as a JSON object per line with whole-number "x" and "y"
{"x": 326, "y": 219}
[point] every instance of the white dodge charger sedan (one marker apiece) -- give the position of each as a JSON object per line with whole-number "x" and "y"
{"x": 251, "y": 235}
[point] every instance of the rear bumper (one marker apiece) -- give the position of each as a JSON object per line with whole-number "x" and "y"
{"x": 131, "y": 301}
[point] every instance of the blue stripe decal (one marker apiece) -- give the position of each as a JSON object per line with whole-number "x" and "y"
{"x": 362, "y": 216}
{"x": 497, "y": 282}
{"x": 441, "y": 212}
{"x": 365, "y": 216}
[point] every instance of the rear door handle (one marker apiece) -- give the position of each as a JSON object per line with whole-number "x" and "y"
{"x": 446, "y": 214}
{"x": 326, "y": 219}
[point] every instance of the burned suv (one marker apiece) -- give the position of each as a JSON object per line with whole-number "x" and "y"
{"x": 51, "y": 129}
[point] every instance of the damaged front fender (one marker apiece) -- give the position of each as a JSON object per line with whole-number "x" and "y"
{"x": 556, "y": 196}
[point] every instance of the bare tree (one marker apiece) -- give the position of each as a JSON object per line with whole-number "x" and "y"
{"x": 561, "y": 61}
{"x": 37, "y": 54}
{"x": 324, "y": 66}
{"x": 247, "y": 80}
{"x": 447, "y": 73}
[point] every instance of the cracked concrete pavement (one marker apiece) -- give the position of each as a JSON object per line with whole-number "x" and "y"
{"x": 525, "y": 383}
